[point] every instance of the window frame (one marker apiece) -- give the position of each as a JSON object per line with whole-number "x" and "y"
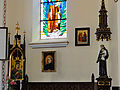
{"x": 36, "y": 41}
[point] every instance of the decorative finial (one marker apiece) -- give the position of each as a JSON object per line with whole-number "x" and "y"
{"x": 24, "y": 32}
{"x": 17, "y": 28}
{"x": 9, "y": 34}
{"x": 103, "y": 32}
{"x": 103, "y": 4}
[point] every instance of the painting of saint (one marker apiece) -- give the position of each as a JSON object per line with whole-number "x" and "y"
{"x": 16, "y": 72}
{"x": 54, "y": 14}
{"x": 48, "y": 61}
{"x": 82, "y": 36}
{"x": 49, "y": 65}
{"x": 16, "y": 65}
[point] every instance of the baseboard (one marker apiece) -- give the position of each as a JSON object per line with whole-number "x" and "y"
{"x": 116, "y": 88}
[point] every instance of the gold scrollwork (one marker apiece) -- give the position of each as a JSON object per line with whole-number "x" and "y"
{"x": 108, "y": 83}
{"x": 101, "y": 83}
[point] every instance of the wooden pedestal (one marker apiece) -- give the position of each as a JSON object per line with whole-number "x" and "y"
{"x": 104, "y": 83}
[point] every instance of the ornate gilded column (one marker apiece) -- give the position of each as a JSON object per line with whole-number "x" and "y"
{"x": 103, "y": 32}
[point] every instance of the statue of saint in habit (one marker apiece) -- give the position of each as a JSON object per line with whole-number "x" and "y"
{"x": 102, "y": 57}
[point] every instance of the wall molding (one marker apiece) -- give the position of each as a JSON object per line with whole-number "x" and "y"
{"x": 49, "y": 44}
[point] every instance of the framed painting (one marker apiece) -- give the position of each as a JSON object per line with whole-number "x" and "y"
{"x": 82, "y": 36}
{"x": 3, "y": 43}
{"x": 16, "y": 66}
{"x": 49, "y": 61}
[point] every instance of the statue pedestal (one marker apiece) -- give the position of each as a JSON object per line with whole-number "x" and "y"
{"x": 104, "y": 83}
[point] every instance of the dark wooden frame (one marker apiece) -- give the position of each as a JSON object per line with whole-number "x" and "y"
{"x": 76, "y": 36}
{"x": 6, "y": 30}
{"x": 44, "y": 55}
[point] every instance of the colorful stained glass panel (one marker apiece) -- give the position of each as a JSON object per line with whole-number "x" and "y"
{"x": 53, "y": 19}
{"x": 54, "y": 10}
{"x": 51, "y": 0}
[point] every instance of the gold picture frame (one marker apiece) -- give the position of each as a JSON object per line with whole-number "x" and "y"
{"x": 82, "y": 36}
{"x": 48, "y": 61}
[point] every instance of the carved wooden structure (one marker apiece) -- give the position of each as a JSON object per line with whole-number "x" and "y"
{"x": 60, "y": 86}
{"x": 103, "y": 32}
{"x": 17, "y": 59}
{"x": 104, "y": 83}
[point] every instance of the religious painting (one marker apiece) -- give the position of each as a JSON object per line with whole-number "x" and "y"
{"x": 53, "y": 19}
{"x": 3, "y": 43}
{"x": 49, "y": 61}
{"x": 82, "y": 36}
{"x": 16, "y": 65}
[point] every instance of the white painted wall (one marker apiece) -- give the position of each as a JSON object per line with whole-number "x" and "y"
{"x": 73, "y": 63}
{"x": 118, "y": 15}
{"x": 113, "y": 20}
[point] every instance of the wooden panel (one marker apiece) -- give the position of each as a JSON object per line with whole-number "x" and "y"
{"x": 115, "y": 88}
{"x": 59, "y": 86}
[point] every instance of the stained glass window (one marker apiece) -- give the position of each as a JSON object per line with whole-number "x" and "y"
{"x": 53, "y": 19}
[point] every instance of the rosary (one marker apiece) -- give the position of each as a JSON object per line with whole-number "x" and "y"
{"x": 3, "y": 63}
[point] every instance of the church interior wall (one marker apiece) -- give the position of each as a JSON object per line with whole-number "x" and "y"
{"x": 72, "y": 63}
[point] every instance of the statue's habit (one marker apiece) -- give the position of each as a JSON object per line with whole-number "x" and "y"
{"x": 102, "y": 57}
